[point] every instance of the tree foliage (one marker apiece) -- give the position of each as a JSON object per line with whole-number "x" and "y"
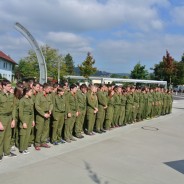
{"x": 139, "y": 72}
{"x": 166, "y": 69}
{"x": 86, "y": 68}
{"x": 28, "y": 66}
{"x": 69, "y": 64}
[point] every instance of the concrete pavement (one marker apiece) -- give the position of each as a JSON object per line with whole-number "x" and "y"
{"x": 149, "y": 152}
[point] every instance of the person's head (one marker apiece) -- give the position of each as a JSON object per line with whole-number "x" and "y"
{"x": 83, "y": 88}
{"x": 36, "y": 87}
{"x": 46, "y": 88}
{"x": 6, "y": 85}
{"x": 30, "y": 83}
{"x": 60, "y": 91}
{"x": 18, "y": 92}
{"x": 19, "y": 84}
{"x": 111, "y": 93}
{"x": 55, "y": 86}
{"x": 27, "y": 91}
{"x": 73, "y": 88}
{"x": 93, "y": 88}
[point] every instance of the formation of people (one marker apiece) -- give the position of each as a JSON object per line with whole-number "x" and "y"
{"x": 35, "y": 114}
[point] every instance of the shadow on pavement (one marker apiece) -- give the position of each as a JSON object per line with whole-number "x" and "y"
{"x": 177, "y": 165}
{"x": 150, "y": 128}
{"x": 93, "y": 175}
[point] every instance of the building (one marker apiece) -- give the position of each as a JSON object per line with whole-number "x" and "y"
{"x": 6, "y": 66}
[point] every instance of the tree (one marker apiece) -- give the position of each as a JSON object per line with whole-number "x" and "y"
{"x": 166, "y": 69}
{"x": 69, "y": 64}
{"x": 169, "y": 66}
{"x": 178, "y": 79}
{"x": 28, "y": 66}
{"x": 139, "y": 72}
{"x": 86, "y": 68}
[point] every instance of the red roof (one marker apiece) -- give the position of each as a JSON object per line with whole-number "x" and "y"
{"x": 7, "y": 58}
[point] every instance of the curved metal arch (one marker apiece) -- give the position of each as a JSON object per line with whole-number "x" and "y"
{"x": 39, "y": 54}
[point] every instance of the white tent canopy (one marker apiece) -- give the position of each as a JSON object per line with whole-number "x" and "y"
{"x": 105, "y": 79}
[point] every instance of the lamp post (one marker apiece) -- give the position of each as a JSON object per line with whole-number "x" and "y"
{"x": 59, "y": 67}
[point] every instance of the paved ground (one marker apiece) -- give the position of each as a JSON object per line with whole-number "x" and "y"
{"x": 150, "y": 152}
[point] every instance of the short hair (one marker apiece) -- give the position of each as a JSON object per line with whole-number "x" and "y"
{"x": 83, "y": 86}
{"x": 18, "y": 92}
{"x": 25, "y": 90}
{"x": 59, "y": 89}
{"x": 46, "y": 85}
{"x": 36, "y": 83}
{"x": 72, "y": 86}
{"x": 4, "y": 82}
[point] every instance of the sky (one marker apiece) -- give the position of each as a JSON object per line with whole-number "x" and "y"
{"x": 118, "y": 33}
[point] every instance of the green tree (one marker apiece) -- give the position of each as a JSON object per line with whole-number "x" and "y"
{"x": 166, "y": 69}
{"x": 28, "y": 66}
{"x": 178, "y": 79}
{"x": 139, "y": 72}
{"x": 69, "y": 64}
{"x": 86, "y": 68}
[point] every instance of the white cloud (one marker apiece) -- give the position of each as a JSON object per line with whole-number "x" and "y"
{"x": 81, "y": 15}
{"x": 119, "y": 33}
{"x": 122, "y": 55}
{"x": 69, "y": 43}
{"x": 178, "y": 16}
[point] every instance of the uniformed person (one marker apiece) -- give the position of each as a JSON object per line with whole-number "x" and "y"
{"x": 117, "y": 106}
{"x": 36, "y": 90}
{"x": 81, "y": 99}
{"x": 43, "y": 106}
{"x": 59, "y": 115}
{"x": 6, "y": 119}
{"x": 122, "y": 108}
{"x": 110, "y": 110}
{"x": 15, "y": 131}
{"x": 26, "y": 115}
{"x": 92, "y": 109}
{"x": 72, "y": 112}
{"x": 102, "y": 106}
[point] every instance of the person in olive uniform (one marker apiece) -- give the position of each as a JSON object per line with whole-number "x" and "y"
{"x": 102, "y": 106}
{"x": 72, "y": 113}
{"x": 7, "y": 122}
{"x": 36, "y": 90}
{"x": 15, "y": 131}
{"x": 122, "y": 108}
{"x": 43, "y": 106}
{"x": 59, "y": 114}
{"x": 110, "y": 110}
{"x": 117, "y": 106}
{"x": 26, "y": 115}
{"x": 92, "y": 109}
{"x": 81, "y": 98}
{"x": 129, "y": 105}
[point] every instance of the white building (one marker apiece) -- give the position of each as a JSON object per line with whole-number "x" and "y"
{"x": 6, "y": 66}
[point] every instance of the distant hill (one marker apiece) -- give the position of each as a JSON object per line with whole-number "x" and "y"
{"x": 103, "y": 73}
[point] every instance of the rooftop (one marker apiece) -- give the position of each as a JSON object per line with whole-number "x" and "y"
{"x": 7, "y": 58}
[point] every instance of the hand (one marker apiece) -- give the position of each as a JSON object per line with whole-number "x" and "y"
{"x": 33, "y": 124}
{"x": 69, "y": 115}
{"x": 13, "y": 124}
{"x": 1, "y": 127}
{"x": 24, "y": 125}
{"x": 46, "y": 115}
{"x": 105, "y": 107}
{"x": 77, "y": 113}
